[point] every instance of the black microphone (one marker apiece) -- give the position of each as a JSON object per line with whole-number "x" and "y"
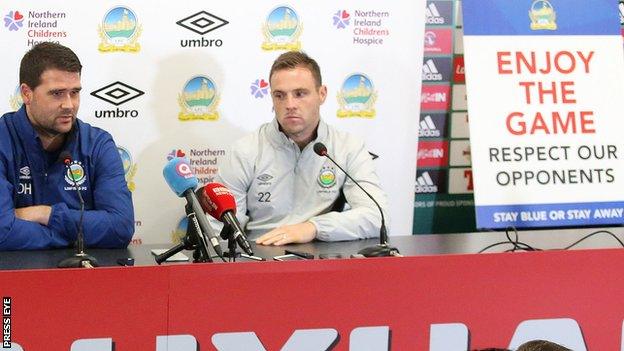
{"x": 80, "y": 259}
{"x": 375, "y": 251}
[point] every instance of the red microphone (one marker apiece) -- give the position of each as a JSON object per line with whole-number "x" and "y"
{"x": 216, "y": 199}
{"x": 218, "y": 202}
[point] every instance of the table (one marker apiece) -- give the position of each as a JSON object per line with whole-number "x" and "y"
{"x": 405, "y": 303}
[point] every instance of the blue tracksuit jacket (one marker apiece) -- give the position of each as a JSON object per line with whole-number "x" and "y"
{"x": 31, "y": 176}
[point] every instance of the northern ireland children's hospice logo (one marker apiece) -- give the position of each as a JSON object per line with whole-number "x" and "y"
{"x": 13, "y": 20}
{"x": 259, "y": 88}
{"x": 119, "y": 31}
{"x": 357, "y": 97}
{"x": 199, "y": 100}
{"x": 282, "y": 29}
{"x": 341, "y": 19}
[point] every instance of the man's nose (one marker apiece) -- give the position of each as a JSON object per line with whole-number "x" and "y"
{"x": 68, "y": 102}
{"x": 290, "y": 101}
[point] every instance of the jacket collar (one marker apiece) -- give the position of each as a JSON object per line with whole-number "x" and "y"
{"x": 27, "y": 132}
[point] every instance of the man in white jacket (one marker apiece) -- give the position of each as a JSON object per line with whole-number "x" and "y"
{"x": 285, "y": 193}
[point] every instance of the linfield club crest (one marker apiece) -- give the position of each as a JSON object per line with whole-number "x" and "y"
{"x": 180, "y": 231}
{"x": 542, "y": 15}
{"x": 199, "y": 100}
{"x": 119, "y": 31}
{"x": 327, "y": 177}
{"x": 15, "y": 101}
{"x": 357, "y": 97}
{"x": 282, "y": 30}
{"x": 129, "y": 167}
{"x": 75, "y": 172}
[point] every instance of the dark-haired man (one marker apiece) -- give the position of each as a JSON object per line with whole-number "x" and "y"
{"x": 39, "y": 207}
{"x": 285, "y": 193}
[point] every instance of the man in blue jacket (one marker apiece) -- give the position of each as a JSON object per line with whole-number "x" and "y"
{"x": 39, "y": 206}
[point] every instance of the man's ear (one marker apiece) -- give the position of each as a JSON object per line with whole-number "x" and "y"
{"x": 27, "y": 93}
{"x": 323, "y": 93}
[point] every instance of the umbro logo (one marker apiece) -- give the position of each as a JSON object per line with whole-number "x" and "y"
{"x": 265, "y": 179}
{"x": 117, "y": 93}
{"x": 202, "y": 22}
{"x": 25, "y": 171}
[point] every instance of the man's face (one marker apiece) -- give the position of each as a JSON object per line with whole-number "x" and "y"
{"x": 297, "y": 101}
{"x": 53, "y": 105}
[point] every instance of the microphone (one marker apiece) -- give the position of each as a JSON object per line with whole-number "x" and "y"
{"x": 382, "y": 249}
{"x": 218, "y": 201}
{"x": 182, "y": 181}
{"x": 80, "y": 259}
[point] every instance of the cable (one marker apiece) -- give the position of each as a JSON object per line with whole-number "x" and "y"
{"x": 517, "y": 245}
{"x": 592, "y": 234}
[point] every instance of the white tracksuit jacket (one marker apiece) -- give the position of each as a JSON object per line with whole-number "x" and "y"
{"x": 275, "y": 184}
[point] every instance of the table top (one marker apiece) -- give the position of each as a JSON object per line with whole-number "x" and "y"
{"x": 142, "y": 256}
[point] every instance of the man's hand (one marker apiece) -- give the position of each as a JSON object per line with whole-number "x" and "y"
{"x": 287, "y": 234}
{"x": 39, "y": 214}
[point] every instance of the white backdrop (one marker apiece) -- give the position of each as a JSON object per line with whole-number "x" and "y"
{"x": 140, "y": 45}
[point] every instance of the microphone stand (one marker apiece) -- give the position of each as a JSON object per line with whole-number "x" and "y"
{"x": 382, "y": 249}
{"x": 193, "y": 240}
{"x": 80, "y": 259}
{"x": 227, "y": 233}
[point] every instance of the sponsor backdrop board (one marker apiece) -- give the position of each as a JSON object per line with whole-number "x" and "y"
{"x": 187, "y": 78}
{"x": 545, "y": 102}
{"x": 444, "y": 178}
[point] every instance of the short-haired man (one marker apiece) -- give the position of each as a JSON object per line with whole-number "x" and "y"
{"x": 285, "y": 193}
{"x": 39, "y": 206}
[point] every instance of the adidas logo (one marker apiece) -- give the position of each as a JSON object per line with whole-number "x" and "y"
{"x": 424, "y": 184}
{"x": 428, "y": 129}
{"x": 430, "y": 71}
{"x": 433, "y": 15}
